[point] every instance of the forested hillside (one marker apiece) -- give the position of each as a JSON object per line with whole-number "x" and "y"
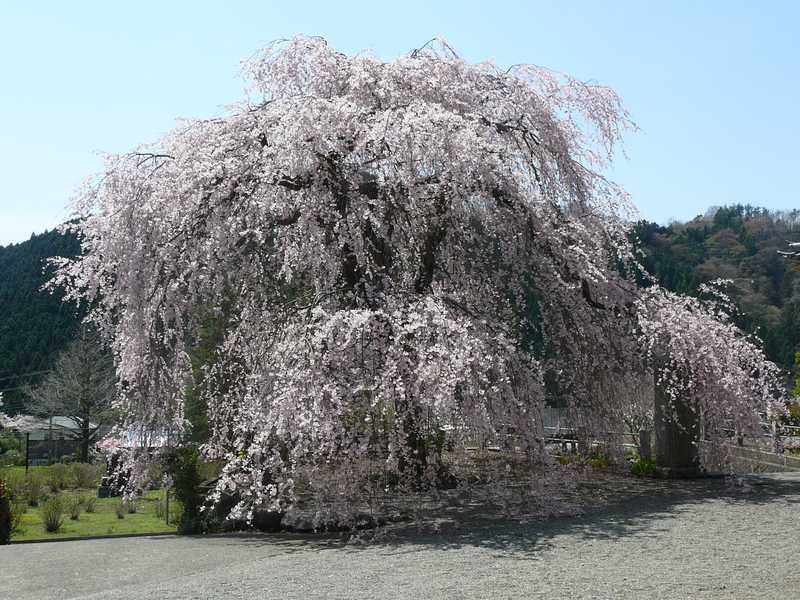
{"x": 739, "y": 243}
{"x": 34, "y": 325}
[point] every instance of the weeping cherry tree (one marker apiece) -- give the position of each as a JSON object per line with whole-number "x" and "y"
{"x": 405, "y": 251}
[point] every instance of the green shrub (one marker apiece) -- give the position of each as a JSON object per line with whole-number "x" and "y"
{"x": 5, "y": 514}
{"x": 74, "y": 504}
{"x": 19, "y": 506}
{"x": 120, "y": 509}
{"x": 52, "y": 514}
{"x": 57, "y": 477}
{"x": 90, "y": 503}
{"x": 15, "y": 485}
{"x": 644, "y": 468}
{"x": 11, "y": 458}
{"x": 132, "y": 506}
{"x": 34, "y": 488}
{"x": 595, "y": 459}
{"x": 598, "y": 460}
{"x": 8, "y": 441}
{"x": 84, "y": 475}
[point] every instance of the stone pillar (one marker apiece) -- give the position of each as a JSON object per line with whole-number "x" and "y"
{"x": 645, "y": 445}
{"x": 582, "y": 440}
{"x": 677, "y": 429}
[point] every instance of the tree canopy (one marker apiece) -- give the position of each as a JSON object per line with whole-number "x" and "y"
{"x": 406, "y": 251}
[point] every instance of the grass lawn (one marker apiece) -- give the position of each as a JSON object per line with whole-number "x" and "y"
{"x": 103, "y": 521}
{"x": 20, "y": 471}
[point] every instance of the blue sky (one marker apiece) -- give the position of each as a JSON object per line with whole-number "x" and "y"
{"x": 714, "y": 86}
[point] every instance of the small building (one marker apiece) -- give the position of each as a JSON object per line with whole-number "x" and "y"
{"x": 48, "y": 440}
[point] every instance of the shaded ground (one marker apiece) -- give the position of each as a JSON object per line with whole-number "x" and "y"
{"x": 649, "y": 539}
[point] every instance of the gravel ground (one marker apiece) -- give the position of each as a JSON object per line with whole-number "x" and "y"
{"x": 643, "y": 539}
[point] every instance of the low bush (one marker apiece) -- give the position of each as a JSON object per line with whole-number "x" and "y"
{"x": 74, "y": 504}
{"x": 15, "y": 485}
{"x": 8, "y": 441}
{"x": 598, "y": 460}
{"x": 644, "y": 468}
{"x": 90, "y": 503}
{"x": 52, "y": 514}
{"x": 34, "y": 488}
{"x": 85, "y": 475}
{"x": 57, "y": 477}
{"x": 595, "y": 459}
{"x": 11, "y": 458}
{"x": 18, "y": 509}
{"x": 131, "y": 506}
{"x": 120, "y": 509}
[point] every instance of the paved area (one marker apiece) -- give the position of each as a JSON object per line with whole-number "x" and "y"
{"x": 697, "y": 539}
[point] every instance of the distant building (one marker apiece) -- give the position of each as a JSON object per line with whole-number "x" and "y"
{"x": 49, "y": 440}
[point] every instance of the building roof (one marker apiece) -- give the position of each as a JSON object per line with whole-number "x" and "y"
{"x": 29, "y": 423}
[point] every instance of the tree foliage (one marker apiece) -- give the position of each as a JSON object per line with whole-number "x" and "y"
{"x": 406, "y": 250}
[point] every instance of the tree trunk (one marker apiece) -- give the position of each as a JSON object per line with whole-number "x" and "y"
{"x": 83, "y": 455}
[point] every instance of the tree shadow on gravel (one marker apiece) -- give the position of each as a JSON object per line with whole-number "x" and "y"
{"x": 628, "y": 507}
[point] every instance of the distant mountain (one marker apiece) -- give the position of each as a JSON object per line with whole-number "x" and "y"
{"x": 34, "y": 325}
{"x": 740, "y": 243}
